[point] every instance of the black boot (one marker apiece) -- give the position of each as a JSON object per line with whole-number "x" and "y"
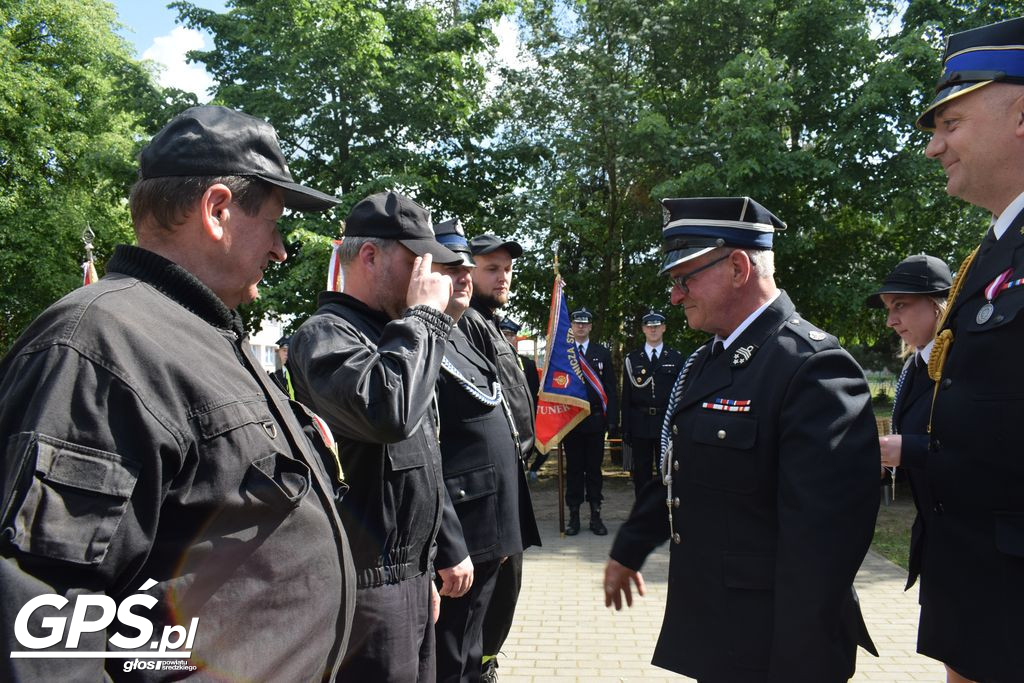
{"x": 573, "y": 527}
{"x": 596, "y": 525}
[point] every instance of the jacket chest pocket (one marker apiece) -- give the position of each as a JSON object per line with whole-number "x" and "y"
{"x": 244, "y": 435}
{"x": 475, "y": 496}
{"x": 1006, "y": 308}
{"x": 723, "y": 454}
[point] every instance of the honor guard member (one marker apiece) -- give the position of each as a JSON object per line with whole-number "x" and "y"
{"x": 368, "y": 361}
{"x": 770, "y": 470}
{"x": 972, "y": 567}
{"x": 584, "y": 445}
{"x": 280, "y": 376}
{"x": 492, "y": 285}
{"x": 914, "y": 296}
{"x": 510, "y": 328}
{"x": 648, "y": 376}
{"x": 147, "y": 456}
{"x": 483, "y": 474}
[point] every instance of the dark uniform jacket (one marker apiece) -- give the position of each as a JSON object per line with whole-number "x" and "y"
{"x": 482, "y": 470}
{"x": 911, "y": 409}
{"x": 280, "y": 378}
{"x": 600, "y": 360}
{"x": 480, "y": 326}
{"x": 645, "y": 391}
{"x": 972, "y": 569}
{"x": 773, "y": 510}
{"x": 373, "y": 380}
{"x": 142, "y": 440}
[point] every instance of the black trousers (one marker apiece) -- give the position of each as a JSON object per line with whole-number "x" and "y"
{"x": 645, "y": 453}
{"x": 502, "y": 609}
{"x": 460, "y": 627}
{"x": 392, "y": 635}
{"x": 583, "y": 456}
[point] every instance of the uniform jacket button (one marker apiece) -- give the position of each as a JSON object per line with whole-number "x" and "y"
{"x": 676, "y": 538}
{"x": 936, "y": 445}
{"x": 462, "y": 493}
{"x": 675, "y": 429}
{"x": 675, "y": 502}
{"x": 721, "y": 433}
{"x": 675, "y": 465}
{"x": 938, "y": 507}
{"x": 946, "y": 383}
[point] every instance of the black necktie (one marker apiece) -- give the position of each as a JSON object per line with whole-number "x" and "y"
{"x": 717, "y": 348}
{"x": 579, "y": 350}
{"x": 654, "y": 356}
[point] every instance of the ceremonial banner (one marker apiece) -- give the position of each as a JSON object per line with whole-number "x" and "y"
{"x": 562, "y": 403}
{"x": 335, "y": 277}
{"x": 89, "y": 274}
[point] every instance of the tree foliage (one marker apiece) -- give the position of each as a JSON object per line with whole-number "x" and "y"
{"x": 68, "y": 134}
{"x": 365, "y": 96}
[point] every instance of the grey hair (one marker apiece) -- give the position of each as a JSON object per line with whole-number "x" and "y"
{"x": 350, "y": 247}
{"x": 762, "y": 261}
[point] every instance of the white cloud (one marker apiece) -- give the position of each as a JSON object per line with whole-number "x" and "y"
{"x": 168, "y": 52}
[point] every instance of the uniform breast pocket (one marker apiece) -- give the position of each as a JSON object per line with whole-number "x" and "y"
{"x": 723, "y": 455}
{"x": 73, "y": 499}
{"x": 1006, "y": 309}
{"x": 475, "y": 495}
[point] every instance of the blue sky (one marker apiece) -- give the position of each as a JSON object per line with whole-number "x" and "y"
{"x": 150, "y": 27}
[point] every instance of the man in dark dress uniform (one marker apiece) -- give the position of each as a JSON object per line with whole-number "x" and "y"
{"x": 492, "y": 284}
{"x": 972, "y": 569}
{"x": 280, "y": 376}
{"x": 584, "y": 445}
{"x": 368, "y": 361}
{"x": 647, "y": 380}
{"x": 483, "y": 474}
{"x": 770, "y": 475}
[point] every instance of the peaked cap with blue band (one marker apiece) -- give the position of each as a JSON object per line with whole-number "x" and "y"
{"x": 975, "y": 58}
{"x": 450, "y": 234}
{"x": 654, "y": 317}
{"x": 696, "y": 225}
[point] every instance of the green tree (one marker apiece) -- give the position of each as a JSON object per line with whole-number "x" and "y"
{"x": 365, "y": 96}
{"x": 67, "y": 141}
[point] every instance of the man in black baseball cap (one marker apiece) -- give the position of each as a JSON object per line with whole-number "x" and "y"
{"x": 155, "y": 409}
{"x": 368, "y": 361}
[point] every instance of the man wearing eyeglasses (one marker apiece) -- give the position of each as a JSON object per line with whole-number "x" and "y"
{"x": 770, "y": 482}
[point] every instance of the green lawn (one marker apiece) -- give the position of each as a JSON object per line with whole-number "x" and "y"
{"x": 892, "y": 528}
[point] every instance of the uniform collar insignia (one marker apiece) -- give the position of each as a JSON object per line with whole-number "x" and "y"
{"x": 743, "y": 355}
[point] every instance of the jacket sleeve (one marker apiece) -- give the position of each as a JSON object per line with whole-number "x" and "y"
{"x": 451, "y": 543}
{"x": 914, "y": 451}
{"x": 646, "y": 528}
{"x": 81, "y": 493}
{"x": 371, "y": 390}
{"x": 827, "y": 500}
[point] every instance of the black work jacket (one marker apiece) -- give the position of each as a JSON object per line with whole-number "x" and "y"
{"x": 141, "y": 440}
{"x": 373, "y": 380}
{"x": 481, "y": 327}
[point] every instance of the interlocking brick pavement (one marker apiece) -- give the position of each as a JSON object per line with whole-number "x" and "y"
{"x": 563, "y": 632}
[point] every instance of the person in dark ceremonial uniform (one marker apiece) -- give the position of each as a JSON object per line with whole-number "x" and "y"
{"x": 492, "y": 286}
{"x": 769, "y": 486}
{"x": 280, "y": 376}
{"x": 972, "y": 562}
{"x": 647, "y": 380}
{"x": 584, "y": 445}
{"x": 483, "y": 475}
{"x": 510, "y": 328}
{"x": 914, "y": 296}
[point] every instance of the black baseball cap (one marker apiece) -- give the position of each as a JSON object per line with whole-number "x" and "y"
{"x": 217, "y": 141}
{"x": 485, "y": 244}
{"x": 392, "y": 216}
{"x": 917, "y": 274}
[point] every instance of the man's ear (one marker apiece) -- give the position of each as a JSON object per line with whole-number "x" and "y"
{"x": 214, "y": 211}
{"x": 742, "y": 268}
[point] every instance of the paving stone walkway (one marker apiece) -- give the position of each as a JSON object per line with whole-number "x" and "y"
{"x": 563, "y": 632}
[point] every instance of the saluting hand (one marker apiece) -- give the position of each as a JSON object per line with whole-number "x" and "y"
{"x": 426, "y": 287}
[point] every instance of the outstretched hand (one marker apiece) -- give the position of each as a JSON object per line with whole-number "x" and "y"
{"x": 617, "y": 578}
